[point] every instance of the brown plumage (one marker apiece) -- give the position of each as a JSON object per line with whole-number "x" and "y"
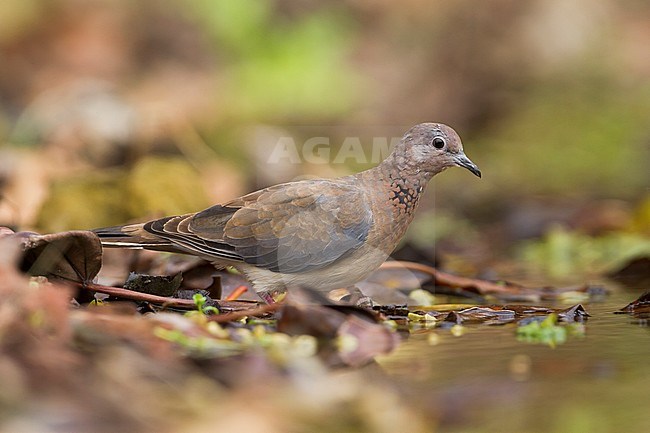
{"x": 321, "y": 234}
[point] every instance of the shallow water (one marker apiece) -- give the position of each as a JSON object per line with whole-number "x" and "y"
{"x": 486, "y": 380}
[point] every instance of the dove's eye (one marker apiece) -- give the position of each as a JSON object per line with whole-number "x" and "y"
{"x": 438, "y": 142}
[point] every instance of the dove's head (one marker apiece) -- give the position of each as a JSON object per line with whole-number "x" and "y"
{"x": 432, "y": 148}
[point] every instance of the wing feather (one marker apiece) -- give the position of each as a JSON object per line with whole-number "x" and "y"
{"x": 289, "y": 228}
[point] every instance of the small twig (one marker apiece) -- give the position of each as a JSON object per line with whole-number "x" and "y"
{"x": 138, "y": 296}
{"x": 440, "y": 278}
{"x": 235, "y": 294}
{"x": 175, "y": 302}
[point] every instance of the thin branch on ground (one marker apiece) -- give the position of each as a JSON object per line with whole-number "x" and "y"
{"x": 138, "y": 296}
{"x": 440, "y": 278}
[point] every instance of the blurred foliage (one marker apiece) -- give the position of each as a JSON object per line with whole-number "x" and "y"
{"x": 548, "y": 331}
{"x": 280, "y": 67}
{"x": 179, "y": 191}
{"x": 574, "y": 136}
{"x": 74, "y": 202}
{"x": 641, "y": 217}
{"x": 562, "y": 253}
{"x": 113, "y": 197}
{"x": 16, "y": 17}
{"x": 433, "y": 226}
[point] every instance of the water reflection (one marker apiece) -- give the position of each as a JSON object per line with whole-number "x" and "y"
{"x": 486, "y": 380}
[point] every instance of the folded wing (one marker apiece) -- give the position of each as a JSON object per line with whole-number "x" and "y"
{"x": 288, "y": 228}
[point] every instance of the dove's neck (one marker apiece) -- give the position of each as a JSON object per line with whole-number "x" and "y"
{"x": 395, "y": 198}
{"x": 402, "y": 186}
{"x": 397, "y": 173}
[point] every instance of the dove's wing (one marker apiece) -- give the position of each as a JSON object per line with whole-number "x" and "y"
{"x": 288, "y": 228}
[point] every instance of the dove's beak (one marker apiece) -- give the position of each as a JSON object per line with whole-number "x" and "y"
{"x": 463, "y": 161}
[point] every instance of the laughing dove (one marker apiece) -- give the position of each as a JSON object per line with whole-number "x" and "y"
{"x": 321, "y": 234}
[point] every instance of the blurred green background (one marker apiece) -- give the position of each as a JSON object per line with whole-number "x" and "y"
{"x": 113, "y": 110}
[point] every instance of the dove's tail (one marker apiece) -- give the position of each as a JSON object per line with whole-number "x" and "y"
{"x": 129, "y": 236}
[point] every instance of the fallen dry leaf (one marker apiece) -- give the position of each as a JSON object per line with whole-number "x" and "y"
{"x": 72, "y": 256}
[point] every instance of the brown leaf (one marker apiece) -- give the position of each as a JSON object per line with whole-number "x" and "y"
{"x": 316, "y": 320}
{"x": 73, "y": 256}
{"x": 160, "y": 285}
{"x": 348, "y": 335}
{"x": 640, "y": 305}
{"x": 576, "y": 313}
{"x": 527, "y": 310}
{"x": 481, "y": 315}
{"x": 368, "y": 340}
